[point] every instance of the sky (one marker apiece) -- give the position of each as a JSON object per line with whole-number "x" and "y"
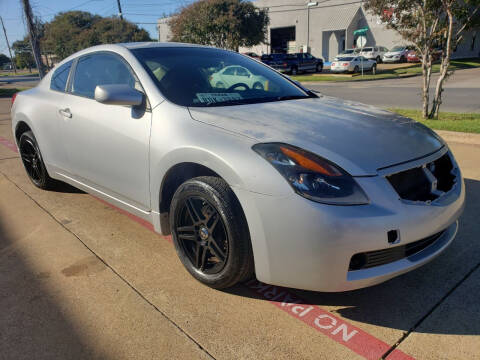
{"x": 143, "y": 12}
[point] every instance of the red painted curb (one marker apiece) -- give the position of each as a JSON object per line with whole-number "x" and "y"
{"x": 321, "y": 320}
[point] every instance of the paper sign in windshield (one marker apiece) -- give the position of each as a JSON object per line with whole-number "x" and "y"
{"x": 212, "y": 98}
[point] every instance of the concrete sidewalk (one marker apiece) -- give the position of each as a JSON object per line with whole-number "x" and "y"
{"x": 78, "y": 279}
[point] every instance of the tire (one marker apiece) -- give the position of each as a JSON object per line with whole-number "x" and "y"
{"x": 402, "y": 59}
{"x": 319, "y": 68}
{"x": 210, "y": 232}
{"x": 294, "y": 70}
{"x": 374, "y": 69}
{"x": 33, "y": 162}
{"x": 356, "y": 69}
{"x": 258, "y": 86}
{"x": 378, "y": 60}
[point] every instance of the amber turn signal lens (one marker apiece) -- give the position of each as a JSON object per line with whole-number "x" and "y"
{"x": 310, "y": 163}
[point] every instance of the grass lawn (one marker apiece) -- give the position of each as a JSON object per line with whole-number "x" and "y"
{"x": 8, "y": 92}
{"x": 446, "y": 121}
{"x": 412, "y": 70}
{"x": 19, "y": 73}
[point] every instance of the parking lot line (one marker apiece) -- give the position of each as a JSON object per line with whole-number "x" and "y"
{"x": 323, "y": 321}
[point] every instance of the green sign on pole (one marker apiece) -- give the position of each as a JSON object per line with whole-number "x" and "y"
{"x": 360, "y": 32}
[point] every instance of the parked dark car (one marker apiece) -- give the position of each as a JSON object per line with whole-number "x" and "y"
{"x": 293, "y": 63}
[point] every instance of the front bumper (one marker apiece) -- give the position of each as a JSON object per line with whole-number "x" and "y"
{"x": 302, "y": 244}
{"x": 390, "y": 60}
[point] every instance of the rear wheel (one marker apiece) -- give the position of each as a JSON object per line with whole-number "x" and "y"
{"x": 319, "y": 68}
{"x": 33, "y": 162}
{"x": 374, "y": 69}
{"x": 356, "y": 70}
{"x": 378, "y": 60}
{"x": 210, "y": 232}
{"x": 294, "y": 70}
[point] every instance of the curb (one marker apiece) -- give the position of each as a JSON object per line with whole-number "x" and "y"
{"x": 459, "y": 137}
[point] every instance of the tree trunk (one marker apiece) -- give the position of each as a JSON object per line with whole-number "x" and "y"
{"x": 437, "y": 100}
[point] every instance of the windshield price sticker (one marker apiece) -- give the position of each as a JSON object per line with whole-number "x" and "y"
{"x": 209, "y": 98}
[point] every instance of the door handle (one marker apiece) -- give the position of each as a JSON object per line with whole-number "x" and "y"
{"x": 65, "y": 112}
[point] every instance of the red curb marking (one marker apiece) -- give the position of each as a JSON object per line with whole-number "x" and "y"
{"x": 321, "y": 320}
{"x": 325, "y": 322}
{"x": 9, "y": 144}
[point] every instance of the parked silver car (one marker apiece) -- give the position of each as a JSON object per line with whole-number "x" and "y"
{"x": 396, "y": 54}
{"x": 305, "y": 190}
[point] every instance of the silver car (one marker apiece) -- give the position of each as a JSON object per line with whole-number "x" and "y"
{"x": 353, "y": 64}
{"x": 303, "y": 190}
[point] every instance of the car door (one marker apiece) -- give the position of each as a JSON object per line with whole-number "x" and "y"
{"x": 49, "y": 134}
{"x": 309, "y": 62}
{"x": 107, "y": 145}
{"x": 244, "y": 76}
{"x": 228, "y": 76}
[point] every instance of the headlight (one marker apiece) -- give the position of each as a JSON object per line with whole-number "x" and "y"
{"x": 311, "y": 176}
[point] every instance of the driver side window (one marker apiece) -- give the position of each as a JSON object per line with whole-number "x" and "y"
{"x": 100, "y": 69}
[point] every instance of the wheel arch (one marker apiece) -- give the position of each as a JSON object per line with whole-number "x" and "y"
{"x": 174, "y": 173}
{"x": 20, "y": 128}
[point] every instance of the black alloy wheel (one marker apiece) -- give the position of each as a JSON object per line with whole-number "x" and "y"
{"x": 33, "y": 162}
{"x": 201, "y": 234}
{"x": 210, "y": 232}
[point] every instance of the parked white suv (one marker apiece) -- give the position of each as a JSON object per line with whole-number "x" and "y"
{"x": 374, "y": 53}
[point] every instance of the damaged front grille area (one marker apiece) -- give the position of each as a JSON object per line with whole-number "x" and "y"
{"x": 371, "y": 259}
{"x": 426, "y": 183}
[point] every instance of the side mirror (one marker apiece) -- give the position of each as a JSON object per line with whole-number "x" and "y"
{"x": 118, "y": 94}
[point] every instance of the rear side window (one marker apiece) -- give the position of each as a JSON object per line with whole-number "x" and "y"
{"x": 60, "y": 77}
{"x": 100, "y": 69}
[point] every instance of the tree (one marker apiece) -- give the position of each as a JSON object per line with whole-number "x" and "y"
{"x": 226, "y": 24}
{"x": 429, "y": 24}
{"x": 4, "y": 59}
{"x": 23, "y": 54}
{"x": 72, "y": 31}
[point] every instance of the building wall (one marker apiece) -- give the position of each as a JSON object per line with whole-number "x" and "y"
{"x": 323, "y": 25}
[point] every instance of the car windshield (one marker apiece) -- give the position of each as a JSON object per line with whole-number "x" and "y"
{"x": 397, "y": 48}
{"x": 199, "y": 77}
{"x": 367, "y": 49}
{"x": 346, "y": 58}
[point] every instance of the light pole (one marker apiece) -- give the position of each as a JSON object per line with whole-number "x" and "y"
{"x": 309, "y": 5}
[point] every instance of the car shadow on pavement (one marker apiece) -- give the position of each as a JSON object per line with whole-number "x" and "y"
{"x": 63, "y": 187}
{"x": 403, "y": 302}
{"x": 33, "y": 324}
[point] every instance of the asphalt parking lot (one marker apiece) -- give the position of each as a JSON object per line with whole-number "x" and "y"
{"x": 81, "y": 279}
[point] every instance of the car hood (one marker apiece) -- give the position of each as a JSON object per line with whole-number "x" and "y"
{"x": 359, "y": 138}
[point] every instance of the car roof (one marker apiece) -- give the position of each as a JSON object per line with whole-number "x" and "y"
{"x": 151, "y": 44}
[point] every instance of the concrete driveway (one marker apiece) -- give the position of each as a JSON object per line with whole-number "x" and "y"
{"x": 80, "y": 279}
{"x": 462, "y": 91}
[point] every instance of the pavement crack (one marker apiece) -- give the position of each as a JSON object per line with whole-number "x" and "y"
{"x": 143, "y": 297}
{"x": 423, "y": 318}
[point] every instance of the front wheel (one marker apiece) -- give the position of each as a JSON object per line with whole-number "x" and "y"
{"x": 319, "y": 68}
{"x": 210, "y": 232}
{"x": 356, "y": 70}
{"x": 294, "y": 71}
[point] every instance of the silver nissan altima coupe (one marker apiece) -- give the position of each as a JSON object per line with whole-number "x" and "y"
{"x": 304, "y": 190}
